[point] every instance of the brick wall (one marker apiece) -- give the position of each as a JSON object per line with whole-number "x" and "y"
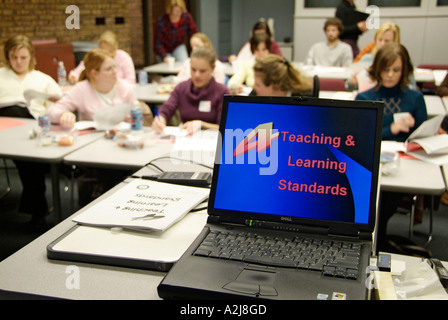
{"x": 46, "y": 19}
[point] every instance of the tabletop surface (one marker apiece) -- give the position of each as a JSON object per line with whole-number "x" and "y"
{"x": 17, "y": 144}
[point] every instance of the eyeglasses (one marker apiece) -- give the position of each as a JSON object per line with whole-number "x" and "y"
{"x": 109, "y": 69}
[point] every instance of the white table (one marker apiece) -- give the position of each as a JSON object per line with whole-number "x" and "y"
{"x": 416, "y": 177}
{"x": 105, "y": 153}
{"x": 16, "y": 144}
{"x": 325, "y": 72}
{"x": 420, "y": 75}
{"x": 148, "y": 93}
{"x": 423, "y": 75}
{"x": 162, "y": 68}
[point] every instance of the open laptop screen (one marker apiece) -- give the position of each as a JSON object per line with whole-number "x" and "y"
{"x": 314, "y": 159}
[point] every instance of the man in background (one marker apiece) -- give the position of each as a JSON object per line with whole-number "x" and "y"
{"x": 333, "y": 52}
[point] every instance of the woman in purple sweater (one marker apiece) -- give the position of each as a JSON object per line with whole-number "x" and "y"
{"x": 198, "y": 99}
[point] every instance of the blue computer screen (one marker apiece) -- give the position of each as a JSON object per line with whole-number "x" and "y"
{"x": 300, "y": 161}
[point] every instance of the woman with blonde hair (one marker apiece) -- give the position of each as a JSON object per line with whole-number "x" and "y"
{"x": 387, "y": 33}
{"x": 199, "y": 99}
{"x": 275, "y": 76}
{"x": 200, "y": 39}
{"x": 16, "y": 78}
{"x": 125, "y": 65}
{"x": 98, "y": 87}
{"x": 172, "y": 29}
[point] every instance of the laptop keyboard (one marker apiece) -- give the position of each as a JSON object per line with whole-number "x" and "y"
{"x": 331, "y": 258}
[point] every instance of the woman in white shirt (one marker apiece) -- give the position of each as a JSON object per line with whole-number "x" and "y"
{"x": 17, "y": 77}
{"x": 260, "y": 44}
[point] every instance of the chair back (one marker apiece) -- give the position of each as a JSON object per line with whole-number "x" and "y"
{"x": 332, "y": 84}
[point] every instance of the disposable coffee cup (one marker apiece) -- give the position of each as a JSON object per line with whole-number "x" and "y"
{"x": 171, "y": 61}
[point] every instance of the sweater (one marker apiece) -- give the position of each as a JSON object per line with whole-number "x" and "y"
{"x": 83, "y": 98}
{"x": 12, "y": 89}
{"x": 205, "y": 104}
{"x": 396, "y": 100}
{"x": 338, "y": 55}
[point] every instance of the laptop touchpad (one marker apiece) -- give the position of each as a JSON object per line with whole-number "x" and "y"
{"x": 259, "y": 283}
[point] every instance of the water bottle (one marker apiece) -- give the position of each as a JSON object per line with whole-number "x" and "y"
{"x": 44, "y": 125}
{"x": 142, "y": 77}
{"x": 62, "y": 74}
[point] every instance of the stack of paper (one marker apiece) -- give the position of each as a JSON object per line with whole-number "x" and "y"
{"x": 426, "y": 145}
{"x": 144, "y": 205}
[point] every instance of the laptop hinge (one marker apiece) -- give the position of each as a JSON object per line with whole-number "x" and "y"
{"x": 364, "y": 235}
{"x": 361, "y": 235}
{"x": 213, "y": 219}
{"x": 285, "y": 227}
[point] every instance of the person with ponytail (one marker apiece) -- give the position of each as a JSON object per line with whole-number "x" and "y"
{"x": 276, "y": 76}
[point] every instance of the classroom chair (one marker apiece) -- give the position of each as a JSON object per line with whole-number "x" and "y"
{"x": 332, "y": 84}
{"x": 316, "y": 86}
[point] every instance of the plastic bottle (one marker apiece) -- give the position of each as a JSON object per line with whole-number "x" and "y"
{"x": 62, "y": 74}
{"x": 135, "y": 138}
{"x": 44, "y": 125}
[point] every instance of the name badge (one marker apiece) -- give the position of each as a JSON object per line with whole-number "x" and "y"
{"x": 205, "y": 106}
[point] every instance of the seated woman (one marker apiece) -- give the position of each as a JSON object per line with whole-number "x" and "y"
{"x": 246, "y": 53}
{"x": 260, "y": 45}
{"x": 199, "y": 99}
{"x": 98, "y": 88}
{"x": 275, "y": 76}
{"x": 125, "y": 65}
{"x": 201, "y": 40}
{"x": 391, "y": 69}
{"x": 387, "y": 33}
{"x": 17, "y": 77}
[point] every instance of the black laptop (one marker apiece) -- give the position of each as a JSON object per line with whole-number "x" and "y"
{"x": 292, "y": 205}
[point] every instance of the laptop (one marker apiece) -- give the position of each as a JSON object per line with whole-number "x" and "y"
{"x": 292, "y": 205}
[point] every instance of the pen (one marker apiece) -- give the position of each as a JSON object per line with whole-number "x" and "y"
{"x": 156, "y": 113}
